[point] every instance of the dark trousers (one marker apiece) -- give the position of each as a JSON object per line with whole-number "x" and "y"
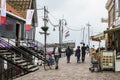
{"x": 68, "y": 58}
{"x": 83, "y": 57}
{"x": 56, "y": 60}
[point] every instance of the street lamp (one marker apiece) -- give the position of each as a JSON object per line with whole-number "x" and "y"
{"x": 62, "y": 22}
{"x": 88, "y": 25}
{"x": 44, "y": 28}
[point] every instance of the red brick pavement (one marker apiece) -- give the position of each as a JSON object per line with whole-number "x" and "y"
{"x": 71, "y": 71}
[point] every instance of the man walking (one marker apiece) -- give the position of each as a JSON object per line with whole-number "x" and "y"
{"x": 68, "y": 52}
{"x": 83, "y": 52}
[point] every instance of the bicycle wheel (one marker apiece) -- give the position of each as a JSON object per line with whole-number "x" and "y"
{"x": 47, "y": 65}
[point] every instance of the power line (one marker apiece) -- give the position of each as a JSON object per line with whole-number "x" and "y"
{"x": 57, "y": 20}
{"x": 52, "y": 23}
{"x": 74, "y": 29}
{"x": 57, "y": 25}
{"x": 54, "y": 17}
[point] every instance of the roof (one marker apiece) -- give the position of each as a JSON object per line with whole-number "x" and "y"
{"x": 18, "y": 7}
{"x": 112, "y": 30}
{"x": 98, "y": 37}
{"x": 16, "y": 16}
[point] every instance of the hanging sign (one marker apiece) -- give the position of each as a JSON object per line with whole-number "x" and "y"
{"x": 3, "y": 12}
{"x": 29, "y": 19}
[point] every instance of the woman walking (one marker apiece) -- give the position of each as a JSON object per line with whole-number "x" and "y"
{"x": 57, "y": 53}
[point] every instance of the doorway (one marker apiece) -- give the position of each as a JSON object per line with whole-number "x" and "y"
{"x": 17, "y": 35}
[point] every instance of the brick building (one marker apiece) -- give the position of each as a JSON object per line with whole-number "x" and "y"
{"x": 16, "y": 14}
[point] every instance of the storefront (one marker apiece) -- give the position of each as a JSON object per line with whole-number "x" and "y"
{"x": 98, "y": 38}
{"x": 114, "y": 43}
{"x": 104, "y": 56}
{"x": 113, "y": 39}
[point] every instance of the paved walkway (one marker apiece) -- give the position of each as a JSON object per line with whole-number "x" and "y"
{"x": 71, "y": 71}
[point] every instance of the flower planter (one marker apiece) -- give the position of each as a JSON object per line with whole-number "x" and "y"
{"x": 44, "y": 28}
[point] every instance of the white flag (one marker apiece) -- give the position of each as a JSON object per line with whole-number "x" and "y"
{"x": 67, "y": 34}
{"x": 29, "y": 19}
{"x": 3, "y": 12}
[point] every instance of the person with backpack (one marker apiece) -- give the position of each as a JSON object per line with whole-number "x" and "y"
{"x": 68, "y": 52}
{"x": 77, "y": 54}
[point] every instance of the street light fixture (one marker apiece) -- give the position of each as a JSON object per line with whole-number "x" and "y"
{"x": 62, "y": 22}
{"x": 88, "y": 25}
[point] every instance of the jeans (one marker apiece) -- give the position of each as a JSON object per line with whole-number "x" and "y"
{"x": 78, "y": 59}
{"x": 56, "y": 60}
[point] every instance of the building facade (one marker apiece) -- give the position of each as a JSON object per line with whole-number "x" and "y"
{"x": 113, "y": 30}
{"x": 14, "y": 28}
{"x": 16, "y": 15}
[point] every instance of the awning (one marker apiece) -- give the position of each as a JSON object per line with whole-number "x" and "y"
{"x": 98, "y": 37}
{"x": 112, "y": 30}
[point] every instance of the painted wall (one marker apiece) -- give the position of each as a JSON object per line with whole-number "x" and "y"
{"x": 8, "y": 30}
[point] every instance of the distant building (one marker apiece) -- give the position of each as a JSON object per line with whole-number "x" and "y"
{"x": 63, "y": 45}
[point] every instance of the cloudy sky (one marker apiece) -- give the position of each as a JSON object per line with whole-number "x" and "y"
{"x": 77, "y": 13}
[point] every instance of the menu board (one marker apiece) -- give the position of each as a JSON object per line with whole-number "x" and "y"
{"x": 107, "y": 59}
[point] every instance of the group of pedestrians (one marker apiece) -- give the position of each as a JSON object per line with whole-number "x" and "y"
{"x": 79, "y": 53}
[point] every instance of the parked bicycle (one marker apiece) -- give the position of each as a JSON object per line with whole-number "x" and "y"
{"x": 49, "y": 61}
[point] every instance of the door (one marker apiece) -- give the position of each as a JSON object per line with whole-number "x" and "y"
{"x": 17, "y": 34}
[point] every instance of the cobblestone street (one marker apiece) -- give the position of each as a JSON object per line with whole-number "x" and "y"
{"x": 71, "y": 71}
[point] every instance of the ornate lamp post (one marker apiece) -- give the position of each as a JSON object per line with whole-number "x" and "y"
{"x": 62, "y": 22}
{"x": 45, "y": 28}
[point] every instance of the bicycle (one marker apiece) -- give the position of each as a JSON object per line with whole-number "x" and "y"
{"x": 48, "y": 62}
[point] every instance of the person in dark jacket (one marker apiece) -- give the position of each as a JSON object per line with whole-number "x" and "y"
{"x": 68, "y": 52}
{"x": 77, "y": 54}
{"x": 83, "y": 53}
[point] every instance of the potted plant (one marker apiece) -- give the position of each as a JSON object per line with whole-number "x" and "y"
{"x": 44, "y": 28}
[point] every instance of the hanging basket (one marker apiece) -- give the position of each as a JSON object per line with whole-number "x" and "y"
{"x": 44, "y": 28}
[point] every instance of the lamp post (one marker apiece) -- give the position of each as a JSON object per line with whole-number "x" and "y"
{"x": 44, "y": 28}
{"x": 88, "y": 33}
{"x": 62, "y": 22}
{"x": 83, "y": 34}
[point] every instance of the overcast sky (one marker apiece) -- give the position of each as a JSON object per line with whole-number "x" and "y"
{"x": 77, "y": 14}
